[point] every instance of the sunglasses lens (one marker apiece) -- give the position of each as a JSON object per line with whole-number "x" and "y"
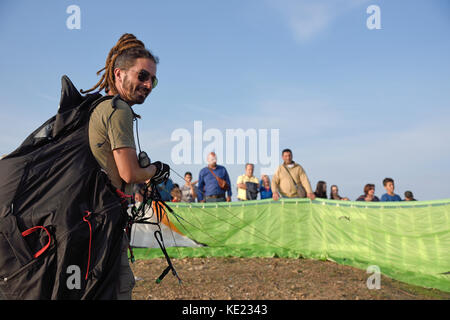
{"x": 143, "y": 76}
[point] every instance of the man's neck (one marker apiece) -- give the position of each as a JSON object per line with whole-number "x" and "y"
{"x": 212, "y": 166}
{"x": 111, "y": 93}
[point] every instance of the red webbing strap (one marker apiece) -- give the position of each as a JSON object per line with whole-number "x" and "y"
{"x": 123, "y": 196}
{"x": 124, "y": 202}
{"x": 34, "y": 229}
{"x": 90, "y": 240}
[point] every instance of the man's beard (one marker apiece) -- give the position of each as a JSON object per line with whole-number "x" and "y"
{"x": 134, "y": 95}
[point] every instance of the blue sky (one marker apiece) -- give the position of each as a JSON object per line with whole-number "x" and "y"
{"x": 355, "y": 105}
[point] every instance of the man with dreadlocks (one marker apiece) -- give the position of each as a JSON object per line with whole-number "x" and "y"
{"x": 129, "y": 75}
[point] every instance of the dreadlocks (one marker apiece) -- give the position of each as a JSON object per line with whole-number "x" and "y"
{"x": 122, "y": 56}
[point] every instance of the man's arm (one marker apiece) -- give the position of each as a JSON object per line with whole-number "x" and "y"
{"x": 275, "y": 182}
{"x": 128, "y": 166}
{"x": 306, "y": 184}
{"x": 193, "y": 192}
{"x": 240, "y": 184}
{"x": 201, "y": 184}
{"x": 120, "y": 133}
{"x": 227, "y": 179}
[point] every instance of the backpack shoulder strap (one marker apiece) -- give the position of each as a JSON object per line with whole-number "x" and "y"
{"x": 287, "y": 170}
{"x": 98, "y": 101}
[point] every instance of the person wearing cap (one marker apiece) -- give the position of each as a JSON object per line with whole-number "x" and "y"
{"x": 409, "y": 196}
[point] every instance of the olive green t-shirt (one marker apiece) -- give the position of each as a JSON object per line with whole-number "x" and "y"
{"x": 111, "y": 129}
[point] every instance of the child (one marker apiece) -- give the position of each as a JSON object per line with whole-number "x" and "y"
{"x": 409, "y": 196}
{"x": 388, "y": 184}
{"x": 175, "y": 194}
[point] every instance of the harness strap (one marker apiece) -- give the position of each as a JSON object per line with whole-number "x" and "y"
{"x": 123, "y": 196}
{"x": 88, "y": 213}
{"x": 138, "y": 216}
{"x": 34, "y": 229}
{"x": 169, "y": 262}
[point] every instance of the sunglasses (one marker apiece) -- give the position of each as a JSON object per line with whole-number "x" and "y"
{"x": 144, "y": 76}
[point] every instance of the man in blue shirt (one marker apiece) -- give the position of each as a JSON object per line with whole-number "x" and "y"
{"x": 208, "y": 185}
{"x": 388, "y": 184}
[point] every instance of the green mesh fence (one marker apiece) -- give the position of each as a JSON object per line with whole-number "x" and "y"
{"x": 408, "y": 241}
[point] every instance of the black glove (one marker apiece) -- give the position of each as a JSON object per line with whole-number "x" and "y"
{"x": 162, "y": 173}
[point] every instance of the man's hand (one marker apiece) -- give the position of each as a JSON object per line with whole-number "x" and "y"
{"x": 312, "y": 196}
{"x": 275, "y": 196}
{"x": 128, "y": 166}
{"x": 192, "y": 184}
{"x": 162, "y": 173}
{"x": 242, "y": 186}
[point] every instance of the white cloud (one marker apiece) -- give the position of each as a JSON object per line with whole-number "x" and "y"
{"x": 307, "y": 18}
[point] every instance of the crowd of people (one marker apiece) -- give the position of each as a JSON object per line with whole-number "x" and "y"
{"x": 289, "y": 181}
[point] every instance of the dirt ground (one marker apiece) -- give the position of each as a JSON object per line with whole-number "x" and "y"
{"x": 266, "y": 279}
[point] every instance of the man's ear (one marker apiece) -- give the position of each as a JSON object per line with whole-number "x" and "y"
{"x": 118, "y": 74}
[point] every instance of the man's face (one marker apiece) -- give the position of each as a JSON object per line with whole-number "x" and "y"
{"x": 188, "y": 178}
{"x": 132, "y": 89}
{"x": 212, "y": 159}
{"x": 287, "y": 157}
{"x": 371, "y": 192}
{"x": 249, "y": 170}
{"x": 389, "y": 187}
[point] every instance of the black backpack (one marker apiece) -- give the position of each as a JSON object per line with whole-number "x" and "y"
{"x": 61, "y": 222}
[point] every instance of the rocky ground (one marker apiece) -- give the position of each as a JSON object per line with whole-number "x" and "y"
{"x": 266, "y": 279}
